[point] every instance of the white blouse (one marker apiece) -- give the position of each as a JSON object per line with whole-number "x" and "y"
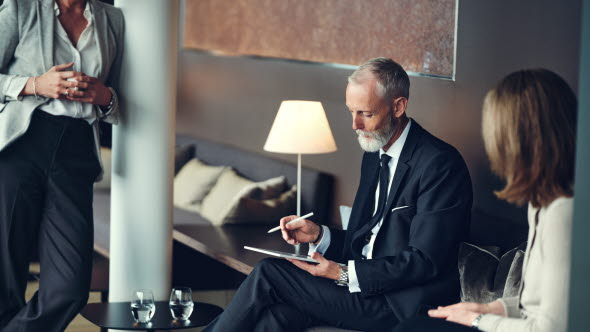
{"x": 86, "y": 59}
{"x": 543, "y": 302}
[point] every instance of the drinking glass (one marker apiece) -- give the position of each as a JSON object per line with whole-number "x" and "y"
{"x": 143, "y": 306}
{"x": 181, "y": 303}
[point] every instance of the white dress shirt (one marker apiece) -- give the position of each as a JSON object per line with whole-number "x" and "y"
{"x": 86, "y": 59}
{"x": 394, "y": 152}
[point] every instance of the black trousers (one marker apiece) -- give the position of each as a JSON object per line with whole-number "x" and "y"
{"x": 278, "y": 296}
{"x": 427, "y": 324}
{"x": 46, "y": 179}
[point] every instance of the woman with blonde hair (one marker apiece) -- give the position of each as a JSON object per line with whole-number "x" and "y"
{"x": 529, "y": 126}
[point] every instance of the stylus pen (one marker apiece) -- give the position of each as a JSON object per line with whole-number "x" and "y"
{"x": 294, "y": 220}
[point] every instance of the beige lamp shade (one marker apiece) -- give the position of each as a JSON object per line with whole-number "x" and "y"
{"x": 300, "y": 127}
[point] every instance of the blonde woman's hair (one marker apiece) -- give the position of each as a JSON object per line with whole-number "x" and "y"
{"x": 529, "y": 129}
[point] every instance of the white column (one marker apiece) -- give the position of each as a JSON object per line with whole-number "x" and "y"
{"x": 143, "y": 148}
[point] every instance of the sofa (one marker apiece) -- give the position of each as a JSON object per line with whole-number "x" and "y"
{"x": 489, "y": 264}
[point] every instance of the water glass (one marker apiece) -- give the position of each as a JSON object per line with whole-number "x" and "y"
{"x": 181, "y": 303}
{"x": 143, "y": 306}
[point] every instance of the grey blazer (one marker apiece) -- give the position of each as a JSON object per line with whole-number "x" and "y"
{"x": 26, "y": 49}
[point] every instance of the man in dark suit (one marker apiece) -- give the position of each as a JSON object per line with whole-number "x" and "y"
{"x": 399, "y": 254}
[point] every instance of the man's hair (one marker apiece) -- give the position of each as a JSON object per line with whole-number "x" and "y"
{"x": 529, "y": 129}
{"x": 392, "y": 79}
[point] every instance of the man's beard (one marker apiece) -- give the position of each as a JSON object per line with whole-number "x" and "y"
{"x": 377, "y": 139}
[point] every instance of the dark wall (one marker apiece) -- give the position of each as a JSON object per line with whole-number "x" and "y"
{"x": 233, "y": 100}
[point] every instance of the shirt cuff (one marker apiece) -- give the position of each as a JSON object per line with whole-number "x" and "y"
{"x": 489, "y": 322}
{"x": 353, "y": 281}
{"x": 114, "y": 106}
{"x": 511, "y": 306}
{"x": 15, "y": 87}
{"x": 324, "y": 243}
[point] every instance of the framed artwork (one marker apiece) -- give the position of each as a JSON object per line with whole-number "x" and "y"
{"x": 419, "y": 34}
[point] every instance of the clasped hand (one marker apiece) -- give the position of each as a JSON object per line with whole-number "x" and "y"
{"x": 306, "y": 231}
{"x": 81, "y": 87}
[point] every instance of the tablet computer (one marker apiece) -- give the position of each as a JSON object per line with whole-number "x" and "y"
{"x": 283, "y": 254}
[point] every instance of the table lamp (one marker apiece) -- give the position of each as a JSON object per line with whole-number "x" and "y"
{"x": 300, "y": 127}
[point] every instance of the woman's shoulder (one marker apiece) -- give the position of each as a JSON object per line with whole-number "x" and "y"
{"x": 109, "y": 9}
{"x": 556, "y": 219}
{"x": 556, "y": 215}
{"x": 23, "y": 7}
{"x": 560, "y": 206}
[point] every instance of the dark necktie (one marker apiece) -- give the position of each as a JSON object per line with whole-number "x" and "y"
{"x": 383, "y": 186}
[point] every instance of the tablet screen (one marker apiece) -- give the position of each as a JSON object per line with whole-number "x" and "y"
{"x": 283, "y": 254}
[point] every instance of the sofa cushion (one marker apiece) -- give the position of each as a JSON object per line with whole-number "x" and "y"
{"x": 236, "y": 200}
{"x": 249, "y": 209}
{"x": 193, "y": 182}
{"x": 218, "y": 201}
{"x": 485, "y": 277}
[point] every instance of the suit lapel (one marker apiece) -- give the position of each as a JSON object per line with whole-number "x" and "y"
{"x": 46, "y": 17}
{"x": 400, "y": 172}
{"x": 403, "y": 165}
{"x": 100, "y": 32}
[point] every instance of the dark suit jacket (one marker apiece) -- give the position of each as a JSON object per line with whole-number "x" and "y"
{"x": 415, "y": 253}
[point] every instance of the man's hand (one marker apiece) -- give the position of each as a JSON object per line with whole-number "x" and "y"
{"x": 325, "y": 268}
{"x": 302, "y": 231}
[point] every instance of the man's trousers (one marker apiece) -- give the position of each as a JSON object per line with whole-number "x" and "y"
{"x": 46, "y": 179}
{"x": 278, "y": 296}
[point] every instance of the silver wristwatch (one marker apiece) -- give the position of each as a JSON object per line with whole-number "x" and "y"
{"x": 343, "y": 281}
{"x": 475, "y": 322}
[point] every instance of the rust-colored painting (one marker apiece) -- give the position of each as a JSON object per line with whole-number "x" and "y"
{"x": 419, "y": 34}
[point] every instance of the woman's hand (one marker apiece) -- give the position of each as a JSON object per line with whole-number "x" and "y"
{"x": 455, "y": 315}
{"x": 92, "y": 91}
{"x": 54, "y": 83}
{"x": 465, "y": 312}
{"x": 495, "y": 307}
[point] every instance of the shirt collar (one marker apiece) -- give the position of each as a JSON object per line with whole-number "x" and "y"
{"x": 395, "y": 150}
{"x": 87, "y": 11}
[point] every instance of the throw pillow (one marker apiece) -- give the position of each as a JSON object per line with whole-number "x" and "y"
{"x": 477, "y": 268}
{"x": 193, "y": 183}
{"x": 485, "y": 277}
{"x": 217, "y": 203}
{"x": 249, "y": 210}
{"x": 514, "y": 277}
{"x": 269, "y": 189}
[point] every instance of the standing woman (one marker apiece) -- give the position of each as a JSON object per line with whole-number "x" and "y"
{"x": 529, "y": 127}
{"x": 59, "y": 67}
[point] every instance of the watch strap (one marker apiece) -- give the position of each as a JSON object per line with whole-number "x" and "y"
{"x": 343, "y": 281}
{"x": 475, "y": 323}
